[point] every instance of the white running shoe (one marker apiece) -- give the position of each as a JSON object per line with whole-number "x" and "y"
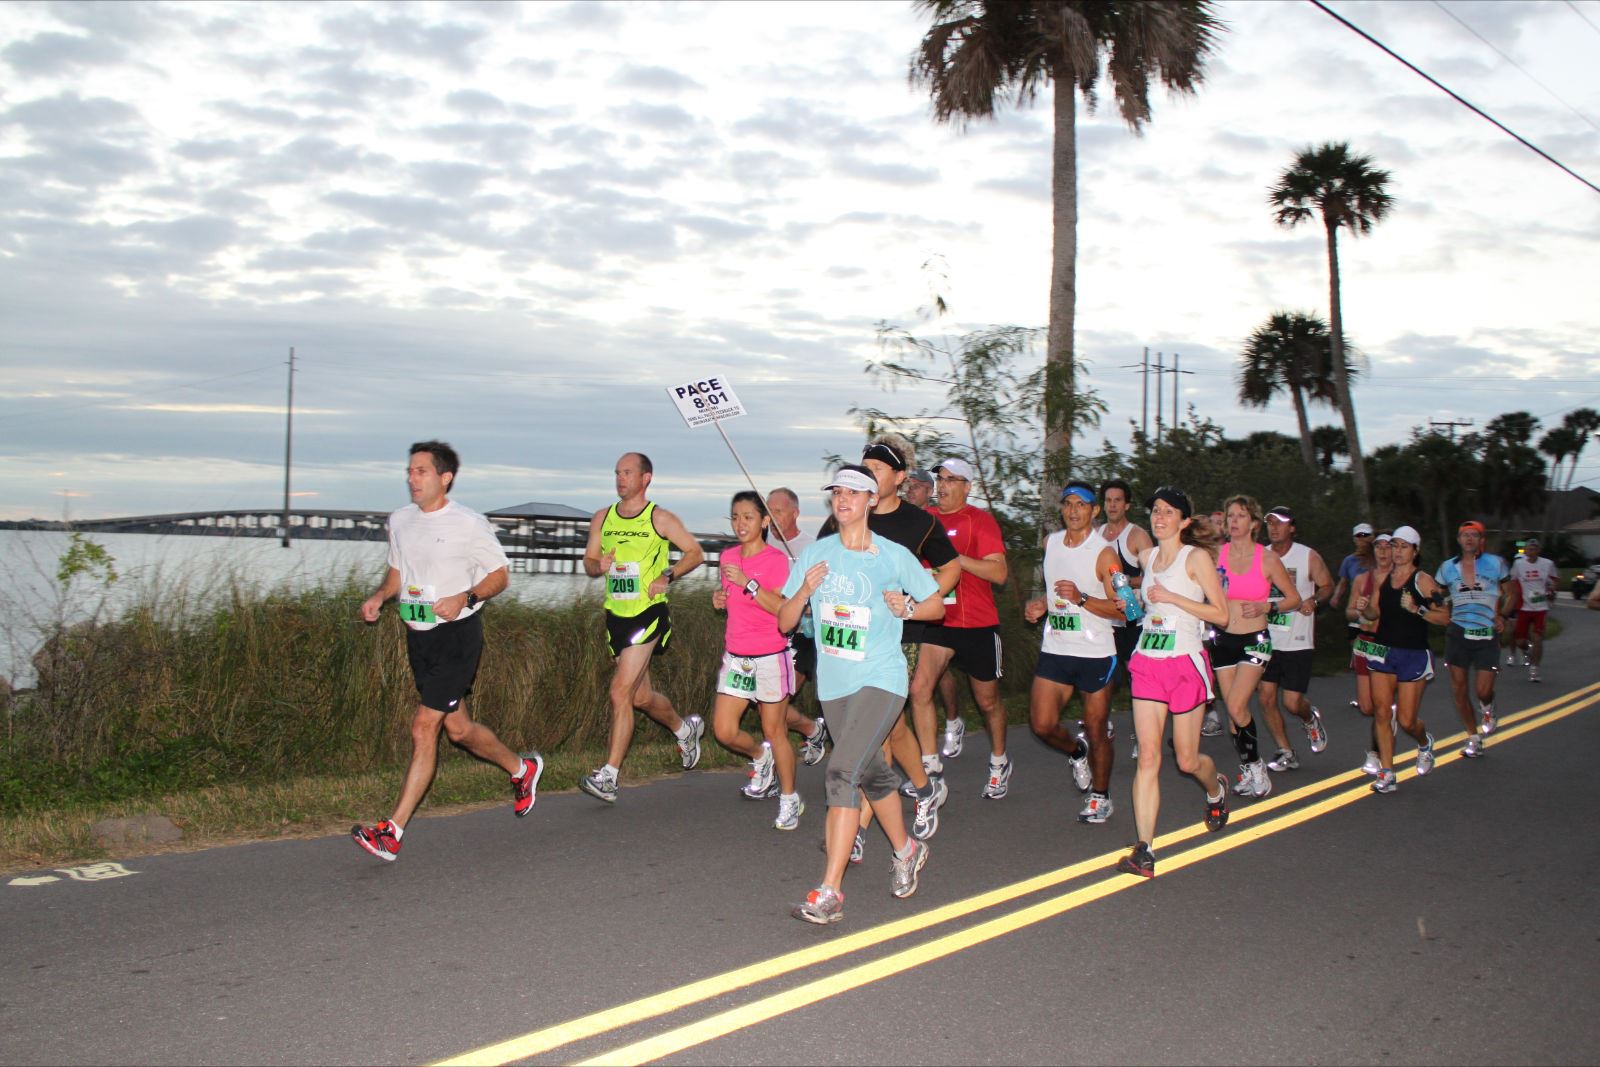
{"x": 762, "y": 776}
{"x": 1384, "y": 782}
{"x": 1316, "y": 732}
{"x": 925, "y": 822}
{"x": 1211, "y": 725}
{"x": 813, "y": 748}
{"x": 1425, "y": 756}
{"x": 689, "y": 747}
{"x": 955, "y": 734}
{"x": 999, "y": 783}
{"x": 1474, "y": 747}
{"x": 1372, "y": 765}
{"x": 1097, "y": 810}
{"x": 1284, "y": 761}
{"x": 1263, "y": 781}
{"x": 1533, "y": 674}
{"x": 1081, "y": 776}
{"x": 790, "y": 808}
{"x": 1490, "y": 720}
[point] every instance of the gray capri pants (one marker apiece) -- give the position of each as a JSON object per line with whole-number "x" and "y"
{"x": 859, "y": 724}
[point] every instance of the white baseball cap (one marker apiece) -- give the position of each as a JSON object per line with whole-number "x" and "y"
{"x": 1409, "y": 535}
{"x": 1361, "y": 528}
{"x": 956, "y": 468}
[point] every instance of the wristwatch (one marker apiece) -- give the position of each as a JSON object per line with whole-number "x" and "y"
{"x": 1083, "y": 599}
{"x": 472, "y": 600}
{"x": 752, "y": 587}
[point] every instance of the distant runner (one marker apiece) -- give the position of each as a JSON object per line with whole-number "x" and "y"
{"x": 1476, "y": 583}
{"x": 1129, "y": 541}
{"x": 784, "y": 507}
{"x": 1294, "y": 638}
{"x": 1536, "y": 580}
{"x": 445, "y": 563}
{"x": 628, "y": 544}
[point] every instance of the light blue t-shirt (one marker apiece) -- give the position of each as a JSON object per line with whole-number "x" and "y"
{"x": 1473, "y": 608}
{"x": 858, "y": 639}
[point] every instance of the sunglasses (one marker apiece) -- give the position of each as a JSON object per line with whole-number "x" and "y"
{"x": 1363, "y": 535}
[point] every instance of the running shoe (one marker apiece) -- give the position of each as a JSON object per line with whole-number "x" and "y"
{"x": 858, "y": 847}
{"x": 1134, "y": 751}
{"x": 789, "y": 812}
{"x": 1371, "y": 765}
{"x": 525, "y": 790}
{"x": 689, "y": 747}
{"x": 1097, "y": 810}
{"x": 763, "y": 782}
{"x": 1490, "y": 720}
{"x": 599, "y": 785}
{"x": 1253, "y": 780}
{"x": 1533, "y": 674}
{"x": 955, "y": 737}
{"x": 816, "y": 746}
{"x": 1211, "y": 725}
{"x": 908, "y": 790}
{"x": 378, "y": 840}
{"x": 1081, "y": 776}
{"x": 1473, "y": 748}
{"x": 1140, "y": 861}
{"x": 906, "y": 869}
{"x": 822, "y": 906}
{"x": 1245, "y": 784}
{"x": 999, "y": 783}
{"x": 1263, "y": 780}
{"x": 925, "y": 823}
{"x": 1425, "y": 756}
{"x": 1384, "y": 782}
{"x": 1217, "y": 807}
{"x": 1316, "y": 732}
{"x": 1284, "y": 761}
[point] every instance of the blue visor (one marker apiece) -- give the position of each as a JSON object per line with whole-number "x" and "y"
{"x": 1083, "y": 493}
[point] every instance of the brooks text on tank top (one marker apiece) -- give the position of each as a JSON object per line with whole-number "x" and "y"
{"x": 1245, "y": 585}
{"x": 641, "y": 558}
{"x": 1168, "y": 630}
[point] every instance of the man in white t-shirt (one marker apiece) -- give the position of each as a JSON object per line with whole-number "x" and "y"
{"x": 1535, "y": 576}
{"x": 444, "y": 564}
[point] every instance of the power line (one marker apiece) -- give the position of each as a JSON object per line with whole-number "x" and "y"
{"x": 1578, "y": 12}
{"x": 1553, "y": 94}
{"x": 1431, "y": 80}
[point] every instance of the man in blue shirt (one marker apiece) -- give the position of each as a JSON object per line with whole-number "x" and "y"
{"x": 1475, "y": 583}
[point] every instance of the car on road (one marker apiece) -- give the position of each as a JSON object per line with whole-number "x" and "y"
{"x": 1584, "y": 581}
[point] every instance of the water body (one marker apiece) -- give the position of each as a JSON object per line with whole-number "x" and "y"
{"x": 192, "y": 572}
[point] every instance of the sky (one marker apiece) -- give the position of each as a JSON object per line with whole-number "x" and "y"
{"x": 514, "y": 227}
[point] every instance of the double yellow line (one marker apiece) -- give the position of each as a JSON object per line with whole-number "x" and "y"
{"x": 689, "y": 1035}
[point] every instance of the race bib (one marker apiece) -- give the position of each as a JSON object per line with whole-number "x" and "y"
{"x": 950, "y": 597}
{"x": 1536, "y": 598}
{"x": 1065, "y": 622}
{"x": 741, "y": 678}
{"x": 622, "y": 581}
{"x": 1280, "y": 619}
{"x": 1371, "y": 650}
{"x": 1259, "y": 647}
{"x": 416, "y": 604}
{"x": 1479, "y": 633}
{"x": 1160, "y": 634}
{"x": 842, "y": 630}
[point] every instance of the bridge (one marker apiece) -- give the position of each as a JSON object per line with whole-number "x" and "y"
{"x": 539, "y": 537}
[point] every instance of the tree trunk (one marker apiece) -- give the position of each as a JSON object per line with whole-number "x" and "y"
{"x": 1341, "y": 376}
{"x": 1307, "y": 453}
{"x": 1060, "y": 361}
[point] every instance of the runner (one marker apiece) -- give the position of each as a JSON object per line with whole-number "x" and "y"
{"x": 1294, "y": 638}
{"x": 1130, "y": 542}
{"x": 628, "y": 544}
{"x": 757, "y": 663}
{"x": 1398, "y": 656}
{"x": 445, "y": 563}
{"x": 887, "y": 457}
{"x": 1240, "y": 653}
{"x": 1171, "y": 675}
{"x": 784, "y": 507}
{"x": 1356, "y": 563}
{"x": 1536, "y": 580}
{"x": 919, "y": 488}
{"x": 1079, "y": 651}
{"x": 1476, "y": 583}
{"x": 861, "y": 588}
{"x": 969, "y": 636}
{"x": 1365, "y": 585}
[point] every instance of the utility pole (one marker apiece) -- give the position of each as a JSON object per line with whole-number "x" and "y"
{"x": 1176, "y": 382}
{"x": 1143, "y": 367}
{"x": 1160, "y": 369}
{"x": 1449, "y": 425}
{"x": 288, "y": 446}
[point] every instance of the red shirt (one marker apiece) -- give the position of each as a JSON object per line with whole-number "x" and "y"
{"x": 974, "y": 533}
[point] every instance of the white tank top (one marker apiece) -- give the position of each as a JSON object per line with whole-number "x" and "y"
{"x": 1293, "y": 630}
{"x": 1068, "y": 629}
{"x": 1168, "y": 629}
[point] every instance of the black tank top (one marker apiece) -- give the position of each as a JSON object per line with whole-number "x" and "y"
{"x": 1130, "y": 567}
{"x": 1397, "y": 627}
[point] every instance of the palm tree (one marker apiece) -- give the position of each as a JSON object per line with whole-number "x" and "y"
{"x": 1584, "y": 422}
{"x": 977, "y": 54}
{"x": 1330, "y": 443}
{"x": 1558, "y": 444}
{"x": 1289, "y": 353}
{"x": 1349, "y": 193}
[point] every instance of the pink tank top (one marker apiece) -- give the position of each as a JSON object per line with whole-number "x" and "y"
{"x": 1249, "y": 585}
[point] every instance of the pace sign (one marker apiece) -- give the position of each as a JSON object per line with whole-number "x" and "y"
{"x": 705, "y": 401}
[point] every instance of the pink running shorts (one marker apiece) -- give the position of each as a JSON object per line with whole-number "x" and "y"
{"x": 1182, "y": 683}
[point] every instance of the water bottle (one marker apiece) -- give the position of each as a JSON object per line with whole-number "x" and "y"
{"x": 1132, "y": 610}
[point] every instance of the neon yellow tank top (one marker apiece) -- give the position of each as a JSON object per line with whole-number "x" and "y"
{"x": 641, "y": 559}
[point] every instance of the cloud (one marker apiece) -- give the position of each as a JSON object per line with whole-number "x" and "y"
{"x": 655, "y": 116}
{"x": 60, "y": 53}
{"x": 450, "y": 44}
{"x": 653, "y": 79}
{"x": 888, "y": 173}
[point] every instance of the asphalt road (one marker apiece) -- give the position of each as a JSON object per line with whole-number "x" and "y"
{"x": 1457, "y": 920}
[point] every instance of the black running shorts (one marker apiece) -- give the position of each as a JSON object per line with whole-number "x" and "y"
{"x": 444, "y": 661}
{"x": 1230, "y": 650}
{"x": 977, "y": 648}
{"x": 1289, "y": 670}
{"x": 652, "y": 624}
{"x": 1462, "y": 651}
{"x": 805, "y": 654}
{"x": 1084, "y": 675}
